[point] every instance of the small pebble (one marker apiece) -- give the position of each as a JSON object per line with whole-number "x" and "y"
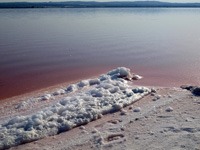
{"x": 136, "y": 119}
{"x": 94, "y": 131}
{"x": 130, "y": 107}
{"x": 120, "y": 120}
{"x": 169, "y": 109}
{"x": 153, "y": 90}
{"x": 158, "y": 96}
{"x": 131, "y": 121}
{"x": 169, "y": 96}
{"x": 154, "y": 99}
{"x": 164, "y": 130}
{"x": 122, "y": 128}
{"x": 137, "y": 109}
{"x": 100, "y": 116}
{"x": 84, "y": 131}
{"x": 151, "y": 133}
{"x": 82, "y": 127}
{"x": 161, "y": 132}
{"x": 123, "y": 112}
{"x": 188, "y": 120}
{"x": 136, "y": 137}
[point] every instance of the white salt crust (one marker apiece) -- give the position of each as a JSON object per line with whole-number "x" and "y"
{"x": 110, "y": 93}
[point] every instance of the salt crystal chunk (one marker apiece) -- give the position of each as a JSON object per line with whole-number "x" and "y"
{"x": 94, "y": 81}
{"x": 83, "y": 83}
{"x": 59, "y": 92}
{"x": 114, "y": 90}
{"x": 137, "y": 77}
{"x": 71, "y": 88}
{"x": 138, "y": 90}
{"x": 46, "y": 97}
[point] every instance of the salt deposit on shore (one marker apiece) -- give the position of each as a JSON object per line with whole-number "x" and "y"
{"x": 151, "y": 128}
{"x": 163, "y": 118}
{"x": 89, "y": 100}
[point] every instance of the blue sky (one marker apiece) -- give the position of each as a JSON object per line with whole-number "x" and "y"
{"x": 181, "y": 1}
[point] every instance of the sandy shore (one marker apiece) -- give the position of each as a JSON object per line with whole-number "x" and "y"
{"x": 165, "y": 119}
{"x": 152, "y": 128}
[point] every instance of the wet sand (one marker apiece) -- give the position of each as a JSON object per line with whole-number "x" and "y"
{"x": 22, "y": 84}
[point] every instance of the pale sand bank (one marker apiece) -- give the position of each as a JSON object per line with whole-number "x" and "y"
{"x": 151, "y": 128}
{"x": 166, "y": 119}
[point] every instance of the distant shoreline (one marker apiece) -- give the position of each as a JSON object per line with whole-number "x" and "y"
{"x": 93, "y": 4}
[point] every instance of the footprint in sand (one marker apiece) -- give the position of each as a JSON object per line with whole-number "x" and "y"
{"x": 114, "y": 137}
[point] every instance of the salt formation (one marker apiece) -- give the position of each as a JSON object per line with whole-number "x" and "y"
{"x": 108, "y": 93}
{"x": 136, "y": 77}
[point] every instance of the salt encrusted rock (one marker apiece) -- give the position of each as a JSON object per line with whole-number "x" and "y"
{"x": 71, "y": 88}
{"x": 59, "y": 92}
{"x": 137, "y": 77}
{"x": 138, "y": 90}
{"x": 83, "y": 83}
{"x": 109, "y": 93}
{"x": 128, "y": 92}
{"x": 169, "y": 109}
{"x": 137, "y": 109}
{"x": 114, "y": 89}
{"x": 94, "y": 81}
{"x": 120, "y": 72}
{"x": 46, "y": 97}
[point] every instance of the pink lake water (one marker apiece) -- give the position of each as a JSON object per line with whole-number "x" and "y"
{"x": 44, "y": 47}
